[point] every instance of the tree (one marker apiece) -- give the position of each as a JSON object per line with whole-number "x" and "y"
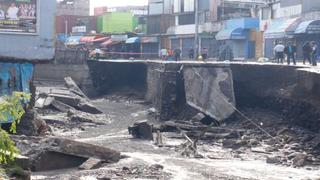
{"x": 11, "y": 110}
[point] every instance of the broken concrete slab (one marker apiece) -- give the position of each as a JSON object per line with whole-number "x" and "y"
{"x": 79, "y": 116}
{"x": 43, "y": 102}
{"x": 74, "y": 87}
{"x": 91, "y": 163}
{"x": 210, "y": 90}
{"x": 66, "y": 99}
{"x": 62, "y": 107}
{"x": 89, "y": 108}
{"x": 84, "y": 150}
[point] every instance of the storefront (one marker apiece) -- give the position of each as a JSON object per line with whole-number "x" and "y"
{"x": 150, "y": 47}
{"x": 237, "y": 34}
{"x": 279, "y": 30}
{"x": 307, "y": 31}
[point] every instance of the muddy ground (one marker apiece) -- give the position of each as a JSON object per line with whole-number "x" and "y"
{"x": 252, "y": 154}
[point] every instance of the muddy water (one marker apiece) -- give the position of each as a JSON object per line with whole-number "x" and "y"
{"x": 125, "y": 112}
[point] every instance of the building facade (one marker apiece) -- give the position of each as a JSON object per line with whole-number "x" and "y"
{"x": 73, "y": 7}
{"x": 290, "y": 20}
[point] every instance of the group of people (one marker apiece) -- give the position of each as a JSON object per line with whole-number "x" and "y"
{"x": 289, "y": 50}
{"x": 170, "y": 55}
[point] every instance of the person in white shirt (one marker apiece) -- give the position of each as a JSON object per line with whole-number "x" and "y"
{"x": 13, "y": 12}
{"x": 164, "y": 54}
{"x": 279, "y": 52}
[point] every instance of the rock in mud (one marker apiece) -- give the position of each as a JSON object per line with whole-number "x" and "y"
{"x": 91, "y": 163}
{"x": 234, "y": 144}
{"x": 141, "y": 130}
{"x": 299, "y": 160}
{"x": 273, "y": 160}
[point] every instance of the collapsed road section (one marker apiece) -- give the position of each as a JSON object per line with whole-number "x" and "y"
{"x": 187, "y": 120}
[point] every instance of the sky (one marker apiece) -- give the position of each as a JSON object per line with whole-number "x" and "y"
{"x": 114, "y": 3}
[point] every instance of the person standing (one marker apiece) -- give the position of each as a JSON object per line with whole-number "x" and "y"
{"x": 163, "y": 54}
{"x": 314, "y": 53}
{"x": 191, "y": 53}
{"x": 307, "y": 50}
{"x": 177, "y": 54}
{"x": 279, "y": 52}
{"x": 290, "y": 50}
{"x": 204, "y": 53}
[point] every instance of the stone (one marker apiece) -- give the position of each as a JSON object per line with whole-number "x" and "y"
{"x": 234, "y": 144}
{"x": 141, "y": 130}
{"x": 299, "y": 160}
{"x": 91, "y": 163}
{"x": 157, "y": 166}
{"x": 273, "y": 160}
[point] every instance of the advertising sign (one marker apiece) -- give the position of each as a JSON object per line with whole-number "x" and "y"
{"x": 18, "y": 16}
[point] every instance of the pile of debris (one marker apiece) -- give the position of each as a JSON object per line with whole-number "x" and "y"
{"x": 65, "y": 107}
{"x": 261, "y": 135}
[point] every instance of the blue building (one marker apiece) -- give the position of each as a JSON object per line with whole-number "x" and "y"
{"x": 238, "y": 34}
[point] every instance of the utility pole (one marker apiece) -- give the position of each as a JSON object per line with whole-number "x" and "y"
{"x": 196, "y": 35}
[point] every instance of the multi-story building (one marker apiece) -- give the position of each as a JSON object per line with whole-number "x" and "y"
{"x": 73, "y": 7}
{"x": 289, "y": 20}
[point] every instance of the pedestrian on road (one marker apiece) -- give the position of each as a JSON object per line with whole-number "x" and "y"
{"x": 290, "y": 50}
{"x": 279, "y": 52}
{"x": 307, "y": 51}
{"x": 204, "y": 53}
{"x": 314, "y": 53}
{"x": 177, "y": 54}
{"x": 163, "y": 54}
{"x": 191, "y": 53}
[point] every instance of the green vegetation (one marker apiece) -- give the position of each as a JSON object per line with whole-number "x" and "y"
{"x": 11, "y": 109}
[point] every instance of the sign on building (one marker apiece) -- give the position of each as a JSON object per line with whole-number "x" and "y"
{"x": 79, "y": 29}
{"x": 18, "y": 16}
{"x": 27, "y": 29}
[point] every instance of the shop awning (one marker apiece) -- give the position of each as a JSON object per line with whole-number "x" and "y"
{"x": 109, "y": 42}
{"x": 308, "y": 27}
{"x": 101, "y": 39}
{"x": 73, "y": 40}
{"x": 87, "y": 39}
{"x": 149, "y": 39}
{"x": 234, "y": 33}
{"x": 281, "y": 28}
{"x": 133, "y": 40}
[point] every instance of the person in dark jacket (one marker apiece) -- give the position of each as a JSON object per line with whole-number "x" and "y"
{"x": 177, "y": 54}
{"x": 204, "y": 53}
{"x": 290, "y": 50}
{"x": 191, "y": 53}
{"x": 307, "y": 51}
